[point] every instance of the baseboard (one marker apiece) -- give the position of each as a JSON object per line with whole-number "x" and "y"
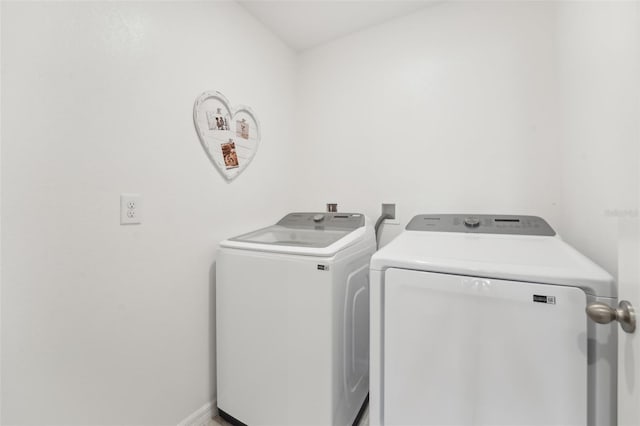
{"x": 202, "y": 416}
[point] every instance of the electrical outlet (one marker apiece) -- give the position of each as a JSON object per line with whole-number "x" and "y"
{"x": 130, "y": 209}
{"x": 390, "y": 209}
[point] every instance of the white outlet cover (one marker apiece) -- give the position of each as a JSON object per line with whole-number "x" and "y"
{"x": 130, "y": 209}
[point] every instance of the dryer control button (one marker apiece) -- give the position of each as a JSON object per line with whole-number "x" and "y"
{"x": 471, "y": 222}
{"x": 318, "y": 218}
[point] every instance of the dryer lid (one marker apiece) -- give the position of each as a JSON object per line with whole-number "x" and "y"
{"x": 528, "y": 258}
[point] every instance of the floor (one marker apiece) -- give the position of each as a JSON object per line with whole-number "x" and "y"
{"x": 217, "y": 421}
{"x": 364, "y": 421}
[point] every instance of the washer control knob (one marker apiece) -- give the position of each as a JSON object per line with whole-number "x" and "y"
{"x": 471, "y": 222}
{"x": 318, "y": 217}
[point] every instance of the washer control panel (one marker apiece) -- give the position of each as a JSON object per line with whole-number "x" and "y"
{"x": 481, "y": 224}
{"x": 471, "y": 221}
{"x": 323, "y": 220}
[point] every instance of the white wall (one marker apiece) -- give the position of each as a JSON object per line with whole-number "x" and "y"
{"x": 487, "y": 107}
{"x": 598, "y": 56}
{"x": 451, "y": 109}
{"x": 110, "y": 324}
{"x": 0, "y": 215}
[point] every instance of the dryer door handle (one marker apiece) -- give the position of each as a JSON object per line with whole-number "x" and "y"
{"x": 604, "y": 314}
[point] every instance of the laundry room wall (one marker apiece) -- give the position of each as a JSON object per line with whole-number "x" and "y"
{"x": 598, "y": 57}
{"x": 479, "y": 107}
{"x": 450, "y": 109}
{"x": 110, "y": 324}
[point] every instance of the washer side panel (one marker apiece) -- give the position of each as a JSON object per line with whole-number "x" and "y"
{"x": 274, "y": 343}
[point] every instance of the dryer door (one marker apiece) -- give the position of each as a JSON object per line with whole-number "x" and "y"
{"x": 475, "y": 351}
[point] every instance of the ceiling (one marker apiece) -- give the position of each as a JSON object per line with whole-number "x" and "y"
{"x": 303, "y": 24}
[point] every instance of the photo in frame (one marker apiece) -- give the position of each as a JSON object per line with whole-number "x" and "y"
{"x": 216, "y": 120}
{"x": 242, "y": 129}
{"x": 229, "y": 154}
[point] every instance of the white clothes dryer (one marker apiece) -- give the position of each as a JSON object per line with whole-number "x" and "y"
{"x": 292, "y": 321}
{"x": 480, "y": 320}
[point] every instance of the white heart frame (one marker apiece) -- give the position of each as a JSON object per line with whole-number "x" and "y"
{"x": 230, "y": 136}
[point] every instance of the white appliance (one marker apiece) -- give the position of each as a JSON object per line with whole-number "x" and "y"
{"x": 481, "y": 321}
{"x": 292, "y": 321}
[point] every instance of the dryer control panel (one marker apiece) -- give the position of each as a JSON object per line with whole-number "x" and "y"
{"x": 481, "y": 224}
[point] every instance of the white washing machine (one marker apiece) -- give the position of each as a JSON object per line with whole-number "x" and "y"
{"x": 481, "y": 321}
{"x": 292, "y": 321}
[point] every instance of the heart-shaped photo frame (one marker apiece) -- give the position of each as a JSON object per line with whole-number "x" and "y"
{"x": 229, "y": 135}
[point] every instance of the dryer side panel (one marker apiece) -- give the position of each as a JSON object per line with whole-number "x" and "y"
{"x": 474, "y": 351}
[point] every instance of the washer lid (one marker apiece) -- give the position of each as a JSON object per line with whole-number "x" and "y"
{"x": 529, "y": 258}
{"x": 317, "y": 233}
